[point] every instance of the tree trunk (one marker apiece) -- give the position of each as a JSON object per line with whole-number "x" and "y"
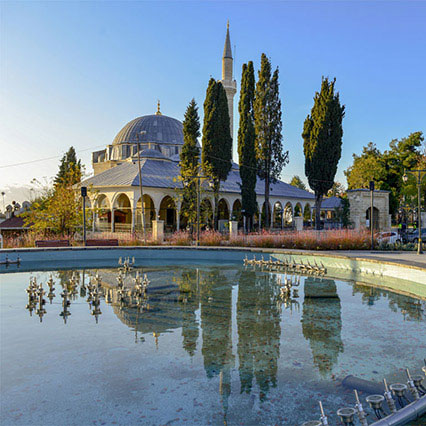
{"x": 318, "y": 202}
{"x": 267, "y": 212}
{"x": 216, "y": 206}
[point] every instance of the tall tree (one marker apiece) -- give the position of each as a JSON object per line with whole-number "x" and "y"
{"x": 297, "y": 182}
{"x": 247, "y": 144}
{"x": 69, "y": 168}
{"x": 322, "y": 135}
{"x": 216, "y": 154}
{"x": 189, "y": 162}
{"x": 268, "y": 127}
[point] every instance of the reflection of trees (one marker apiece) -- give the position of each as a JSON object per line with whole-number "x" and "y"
{"x": 216, "y": 324}
{"x": 322, "y": 323}
{"x": 412, "y": 309}
{"x": 189, "y": 304}
{"x": 259, "y": 331}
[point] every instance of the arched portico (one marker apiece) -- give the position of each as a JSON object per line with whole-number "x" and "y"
{"x": 102, "y": 220}
{"x": 236, "y": 213}
{"x": 298, "y": 210}
{"x": 206, "y": 214}
{"x": 167, "y": 213}
{"x": 149, "y": 210}
{"x": 277, "y": 216}
{"x": 288, "y": 214}
{"x": 121, "y": 214}
{"x": 223, "y": 210}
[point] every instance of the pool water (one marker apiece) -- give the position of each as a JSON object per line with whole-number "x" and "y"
{"x": 207, "y": 345}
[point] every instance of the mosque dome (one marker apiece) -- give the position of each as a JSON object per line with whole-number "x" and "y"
{"x": 159, "y": 129}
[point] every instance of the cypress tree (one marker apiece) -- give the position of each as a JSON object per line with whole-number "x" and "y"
{"x": 268, "y": 126}
{"x": 189, "y": 162}
{"x": 216, "y": 154}
{"x": 247, "y": 144}
{"x": 322, "y": 135}
{"x": 69, "y": 169}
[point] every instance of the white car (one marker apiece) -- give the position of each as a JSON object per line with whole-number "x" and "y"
{"x": 391, "y": 237}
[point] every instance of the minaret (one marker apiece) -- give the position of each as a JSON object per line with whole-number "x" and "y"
{"x": 229, "y": 84}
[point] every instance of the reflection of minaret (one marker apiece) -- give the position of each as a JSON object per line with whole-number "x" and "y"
{"x": 228, "y": 83}
{"x": 322, "y": 322}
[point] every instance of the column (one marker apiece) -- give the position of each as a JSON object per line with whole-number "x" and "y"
{"x": 133, "y": 219}
{"x": 112, "y": 221}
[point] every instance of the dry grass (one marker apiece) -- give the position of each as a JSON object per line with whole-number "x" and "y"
{"x": 343, "y": 239}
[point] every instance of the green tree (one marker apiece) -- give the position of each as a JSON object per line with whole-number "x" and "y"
{"x": 387, "y": 169}
{"x": 336, "y": 190}
{"x": 268, "y": 127}
{"x": 216, "y": 154}
{"x": 322, "y": 135}
{"x": 69, "y": 168}
{"x": 247, "y": 144}
{"x": 366, "y": 167}
{"x": 189, "y": 162}
{"x": 297, "y": 182}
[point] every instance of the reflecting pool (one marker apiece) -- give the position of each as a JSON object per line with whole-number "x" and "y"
{"x": 204, "y": 345}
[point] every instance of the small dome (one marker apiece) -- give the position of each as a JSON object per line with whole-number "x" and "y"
{"x": 159, "y": 129}
{"x": 151, "y": 153}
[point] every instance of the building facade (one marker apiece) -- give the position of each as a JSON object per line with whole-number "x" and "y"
{"x": 115, "y": 196}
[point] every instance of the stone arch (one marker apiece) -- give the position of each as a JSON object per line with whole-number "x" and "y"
{"x": 277, "y": 215}
{"x": 122, "y": 212}
{"x": 206, "y": 214}
{"x": 167, "y": 212}
{"x": 307, "y": 212}
{"x": 223, "y": 209}
{"x": 298, "y": 210}
{"x": 102, "y": 221}
{"x": 288, "y": 214}
{"x": 236, "y": 212}
{"x": 262, "y": 220}
{"x": 376, "y": 216}
{"x": 149, "y": 209}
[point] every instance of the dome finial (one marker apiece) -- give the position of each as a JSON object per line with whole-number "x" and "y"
{"x": 158, "y": 108}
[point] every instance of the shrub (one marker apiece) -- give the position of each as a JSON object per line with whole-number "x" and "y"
{"x": 180, "y": 238}
{"x": 211, "y": 238}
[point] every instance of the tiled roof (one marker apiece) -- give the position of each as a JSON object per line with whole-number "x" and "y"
{"x": 14, "y": 222}
{"x": 331, "y": 203}
{"x": 164, "y": 173}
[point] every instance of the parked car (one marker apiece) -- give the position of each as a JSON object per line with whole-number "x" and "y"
{"x": 413, "y": 236}
{"x": 391, "y": 237}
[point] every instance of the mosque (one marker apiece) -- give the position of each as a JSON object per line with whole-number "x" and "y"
{"x": 114, "y": 194}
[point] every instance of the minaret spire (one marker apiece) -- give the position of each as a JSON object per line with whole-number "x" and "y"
{"x": 228, "y": 82}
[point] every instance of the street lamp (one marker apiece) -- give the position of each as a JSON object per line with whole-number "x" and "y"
{"x": 84, "y": 195}
{"x": 419, "y": 174}
{"x": 372, "y": 213}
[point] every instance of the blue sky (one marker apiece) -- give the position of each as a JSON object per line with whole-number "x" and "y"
{"x": 73, "y": 73}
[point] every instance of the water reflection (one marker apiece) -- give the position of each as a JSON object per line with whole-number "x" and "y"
{"x": 259, "y": 330}
{"x": 322, "y": 323}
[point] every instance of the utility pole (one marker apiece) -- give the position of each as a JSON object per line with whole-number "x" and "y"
{"x": 372, "y": 213}
{"x": 140, "y": 185}
{"x": 419, "y": 174}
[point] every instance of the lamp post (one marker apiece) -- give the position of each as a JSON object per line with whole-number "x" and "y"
{"x": 243, "y": 212}
{"x": 140, "y": 184}
{"x": 84, "y": 195}
{"x": 198, "y": 178}
{"x": 372, "y": 213}
{"x": 419, "y": 174}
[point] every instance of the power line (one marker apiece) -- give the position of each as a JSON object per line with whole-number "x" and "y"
{"x": 45, "y": 159}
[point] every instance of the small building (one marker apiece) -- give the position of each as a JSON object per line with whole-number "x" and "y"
{"x": 360, "y": 209}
